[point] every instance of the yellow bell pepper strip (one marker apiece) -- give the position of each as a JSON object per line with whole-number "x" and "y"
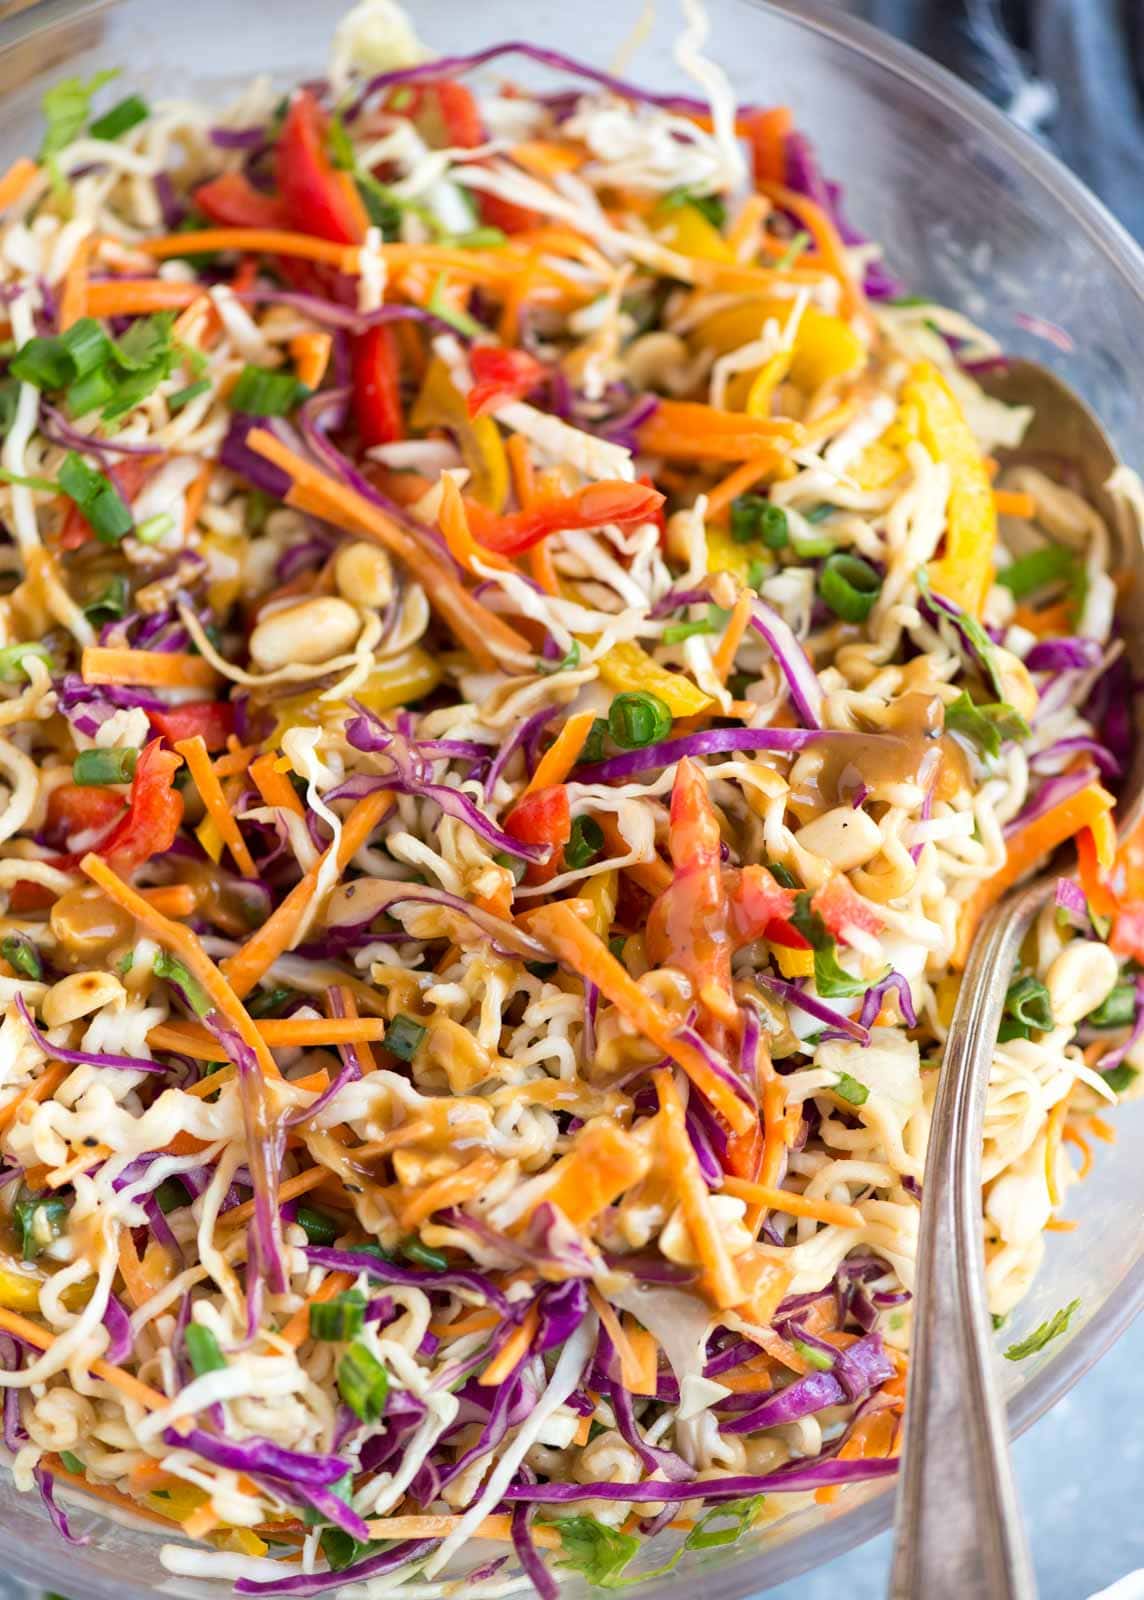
{"x": 684, "y": 229}
{"x": 725, "y": 554}
{"x": 824, "y": 346}
{"x": 441, "y": 404}
{"x": 627, "y": 668}
{"x": 965, "y": 570}
{"x": 1027, "y": 848}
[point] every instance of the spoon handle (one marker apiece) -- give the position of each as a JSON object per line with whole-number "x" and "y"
{"x": 958, "y": 1531}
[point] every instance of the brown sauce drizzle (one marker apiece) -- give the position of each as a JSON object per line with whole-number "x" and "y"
{"x": 912, "y": 749}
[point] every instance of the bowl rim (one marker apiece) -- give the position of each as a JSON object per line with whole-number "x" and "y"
{"x": 802, "y": 1552}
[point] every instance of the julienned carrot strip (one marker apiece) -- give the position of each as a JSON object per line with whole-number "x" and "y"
{"x": 278, "y": 1033}
{"x": 274, "y": 786}
{"x": 497, "y": 1527}
{"x": 519, "y": 455}
{"x": 545, "y": 158}
{"x": 827, "y": 241}
{"x": 297, "y": 1330}
{"x": 148, "y": 668}
{"x": 1072, "y": 1135}
{"x": 203, "y": 1519}
{"x": 172, "y": 899}
{"x": 728, "y": 647}
{"x": 1014, "y": 503}
{"x": 1026, "y": 848}
{"x": 476, "y": 627}
{"x": 246, "y": 966}
{"x": 139, "y": 1289}
{"x": 720, "y": 1279}
{"x": 452, "y": 1190}
{"x": 514, "y": 1349}
{"x": 734, "y": 484}
{"x": 261, "y": 241}
{"x": 196, "y": 495}
{"x": 185, "y": 944}
{"x": 127, "y": 1384}
{"x": 542, "y": 569}
{"x": 631, "y": 1368}
{"x": 645, "y": 1352}
{"x": 1047, "y": 622}
{"x": 689, "y": 430}
{"x": 795, "y": 1205}
{"x": 561, "y": 756}
{"x": 31, "y": 1094}
{"x": 289, "y": 1190}
{"x": 454, "y": 524}
{"x": 1053, "y": 1131}
{"x": 132, "y": 297}
{"x": 194, "y": 753}
{"x": 767, "y": 130}
{"x": 604, "y": 1162}
{"x": 473, "y": 1322}
{"x": 16, "y": 181}
{"x": 73, "y": 296}
{"x": 744, "y": 233}
{"x": 310, "y": 353}
{"x": 655, "y": 876}
{"x": 234, "y": 762}
{"x": 575, "y": 945}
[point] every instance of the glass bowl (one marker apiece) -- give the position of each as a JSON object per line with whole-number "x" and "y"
{"x": 971, "y": 211}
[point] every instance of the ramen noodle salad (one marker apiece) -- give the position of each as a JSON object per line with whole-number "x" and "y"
{"x": 525, "y": 657}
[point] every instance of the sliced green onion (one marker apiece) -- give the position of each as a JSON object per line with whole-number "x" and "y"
{"x": 782, "y": 875}
{"x": 453, "y": 315}
{"x": 21, "y": 954}
{"x": 638, "y": 719}
{"x": 340, "y": 1548}
{"x": 12, "y": 657}
{"x": 46, "y": 363}
{"x": 72, "y": 1462}
{"x": 1050, "y": 564}
{"x": 794, "y": 249}
{"x": 422, "y": 1255}
{"x": 757, "y": 574}
{"x": 97, "y": 497}
{"x": 152, "y": 529}
{"x": 183, "y": 397}
{"x": 89, "y": 346}
{"x": 45, "y": 485}
{"x": 714, "y": 622}
{"x": 89, "y": 393}
{"x": 512, "y": 864}
{"x": 818, "y": 513}
{"x": 363, "y": 1383}
{"x": 104, "y": 766}
{"x": 812, "y": 1355}
{"x": 1121, "y": 1078}
{"x": 174, "y": 971}
{"x": 584, "y": 842}
{"x": 568, "y": 664}
{"x": 1117, "y": 1010}
{"x": 403, "y": 1037}
{"x": 171, "y": 1195}
{"x": 266, "y": 1001}
{"x": 111, "y": 603}
{"x": 38, "y": 1219}
{"x": 812, "y": 546}
{"x": 126, "y": 115}
{"x": 848, "y": 1088}
{"x": 382, "y": 206}
{"x": 476, "y": 239}
{"x": 318, "y": 1226}
{"x": 1027, "y": 1010}
{"x": 203, "y": 1350}
{"x": 260, "y": 393}
{"x": 754, "y": 517}
{"x": 593, "y": 747}
{"x": 849, "y": 586}
{"x": 339, "y": 1319}
{"x": 9, "y": 400}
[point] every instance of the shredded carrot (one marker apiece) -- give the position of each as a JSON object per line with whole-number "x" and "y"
{"x": 544, "y": 158}
{"x": 1061, "y": 1225}
{"x": 561, "y": 756}
{"x": 151, "y": 668}
{"x": 246, "y": 966}
{"x": 736, "y": 482}
{"x": 496, "y": 1527}
{"x": 513, "y": 1351}
{"x": 194, "y": 753}
{"x": 767, "y": 130}
{"x": 720, "y": 1278}
{"x": 724, "y": 657}
{"x": 1053, "y": 1132}
{"x": 297, "y": 1330}
{"x": 103, "y": 1491}
{"x": 185, "y": 944}
{"x": 454, "y": 524}
{"x": 17, "y": 181}
{"x": 653, "y": 876}
{"x": 203, "y": 1519}
{"x": 574, "y": 944}
{"x": 310, "y": 353}
{"x": 234, "y": 762}
{"x": 73, "y": 296}
{"x": 473, "y": 1322}
{"x": 1072, "y": 1135}
{"x": 1046, "y": 623}
{"x": 1014, "y": 503}
{"x": 520, "y": 465}
{"x": 795, "y": 1205}
{"x": 172, "y": 899}
{"x": 688, "y": 430}
{"x": 1026, "y": 849}
{"x": 277, "y": 1033}
{"x": 131, "y": 1271}
{"x": 132, "y": 297}
{"x": 127, "y": 1384}
{"x": 604, "y": 1162}
{"x": 827, "y": 242}
{"x": 631, "y": 1364}
{"x": 452, "y": 1190}
{"x": 1101, "y": 1130}
{"x": 645, "y": 1353}
{"x": 541, "y": 566}
{"x": 147, "y": 1475}
{"x": 261, "y": 241}
{"x": 315, "y": 491}
{"x": 774, "y": 1143}
{"x": 32, "y": 1093}
{"x": 275, "y": 788}
{"x": 289, "y": 1190}
{"x": 196, "y": 495}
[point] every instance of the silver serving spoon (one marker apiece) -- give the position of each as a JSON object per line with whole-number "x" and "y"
{"x": 958, "y": 1532}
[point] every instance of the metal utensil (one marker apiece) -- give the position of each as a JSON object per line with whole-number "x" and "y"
{"x": 958, "y": 1530}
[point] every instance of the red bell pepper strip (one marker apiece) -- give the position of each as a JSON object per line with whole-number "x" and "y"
{"x": 232, "y": 201}
{"x": 316, "y": 197}
{"x": 447, "y": 115}
{"x": 74, "y": 809}
{"x": 213, "y": 719}
{"x": 625, "y": 504}
{"x": 839, "y": 907}
{"x": 760, "y": 907}
{"x": 128, "y": 476}
{"x": 500, "y": 375}
{"x": 543, "y": 817}
{"x": 154, "y": 811}
{"x": 376, "y": 392}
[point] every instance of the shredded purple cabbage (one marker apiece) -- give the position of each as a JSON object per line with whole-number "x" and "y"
{"x": 46, "y": 1485}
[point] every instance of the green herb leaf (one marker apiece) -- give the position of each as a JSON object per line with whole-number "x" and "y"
{"x": 72, "y": 1462}
{"x": 978, "y": 646}
{"x": 128, "y": 114}
{"x": 341, "y": 1549}
{"x": 708, "y": 205}
{"x": 38, "y": 1219}
{"x": 1045, "y": 1334}
{"x": 1117, "y": 1010}
{"x": 1120, "y": 1078}
{"x": 725, "y": 1524}
{"x": 599, "y": 1552}
{"x": 66, "y": 107}
{"x": 262, "y": 393}
{"x": 97, "y": 497}
{"x": 318, "y": 1227}
{"x": 987, "y": 727}
{"x": 22, "y": 956}
{"x": 266, "y": 1001}
{"x": 166, "y": 966}
{"x": 203, "y": 1350}
{"x": 567, "y": 663}
{"x": 830, "y": 980}
{"x": 585, "y": 842}
{"x": 850, "y": 1089}
{"x": 1052, "y": 563}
